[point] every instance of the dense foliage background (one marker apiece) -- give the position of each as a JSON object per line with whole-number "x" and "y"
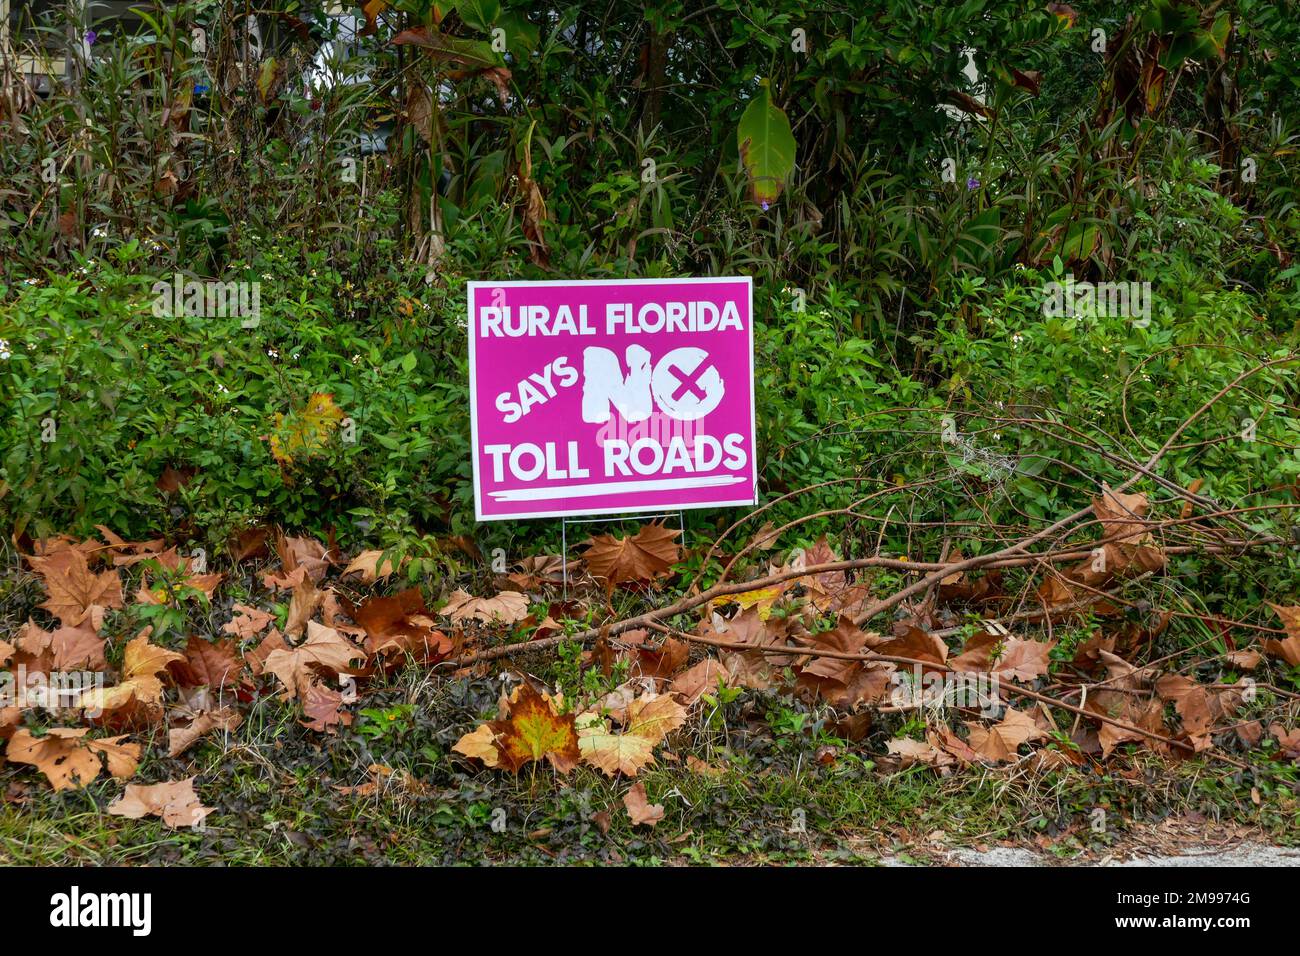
{"x": 900, "y": 252}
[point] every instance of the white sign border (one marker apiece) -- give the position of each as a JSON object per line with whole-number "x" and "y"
{"x": 472, "y": 287}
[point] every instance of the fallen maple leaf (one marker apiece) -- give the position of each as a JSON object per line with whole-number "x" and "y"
{"x": 533, "y": 731}
{"x": 611, "y": 752}
{"x": 128, "y": 552}
{"x": 256, "y": 658}
{"x": 914, "y": 643}
{"x": 215, "y": 664}
{"x": 175, "y": 801}
{"x": 248, "y": 543}
{"x": 76, "y": 594}
{"x": 481, "y": 744}
{"x": 196, "y": 716}
{"x": 66, "y": 649}
{"x": 648, "y": 554}
{"x": 1002, "y": 741}
{"x": 911, "y": 751}
{"x": 298, "y": 557}
{"x": 1287, "y": 649}
{"x": 323, "y": 706}
{"x": 827, "y": 585}
{"x": 137, "y": 697}
{"x": 325, "y": 649}
{"x": 508, "y": 607}
{"x": 534, "y": 571}
{"x": 977, "y": 653}
{"x": 639, "y": 808}
{"x": 1288, "y": 740}
{"x": 249, "y": 622}
{"x": 302, "y": 606}
{"x": 400, "y": 625}
{"x": 367, "y": 565}
{"x": 658, "y": 662}
{"x": 701, "y": 679}
{"x": 1148, "y": 715}
{"x": 845, "y": 683}
{"x": 1023, "y": 660}
{"x": 1122, "y": 514}
{"x": 1195, "y": 705}
{"x": 648, "y": 720}
{"x": 70, "y": 760}
{"x": 10, "y": 717}
{"x": 1246, "y": 660}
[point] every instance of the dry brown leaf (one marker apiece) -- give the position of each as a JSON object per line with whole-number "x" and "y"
{"x": 215, "y": 664}
{"x": 1195, "y": 705}
{"x": 1288, "y": 740}
{"x": 69, "y": 759}
{"x": 703, "y": 678}
{"x": 400, "y": 625}
{"x": 639, "y": 808}
{"x": 196, "y": 716}
{"x": 644, "y": 556}
{"x": 325, "y": 649}
{"x": 299, "y": 557}
{"x": 1287, "y": 649}
{"x": 536, "y": 571}
{"x": 1122, "y": 514}
{"x": 249, "y": 622}
{"x": 120, "y": 548}
{"x": 66, "y": 649}
{"x": 1002, "y": 741}
{"x": 302, "y": 606}
{"x": 845, "y": 683}
{"x": 256, "y": 658}
{"x": 76, "y": 594}
{"x": 1023, "y": 660}
{"x": 914, "y": 643}
{"x": 137, "y": 697}
{"x": 648, "y": 720}
{"x": 508, "y": 607}
{"x": 1146, "y": 715}
{"x": 367, "y": 565}
{"x": 323, "y": 706}
{"x": 175, "y": 801}
{"x": 612, "y": 752}
{"x": 480, "y": 744}
{"x": 249, "y": 543}
{"x": 911, "y": 751}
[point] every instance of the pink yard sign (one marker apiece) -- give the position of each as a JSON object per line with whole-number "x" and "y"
{"x": 611, "y": 396}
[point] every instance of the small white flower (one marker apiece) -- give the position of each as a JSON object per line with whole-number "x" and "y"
{"x": 222, "y": 389}
{"x": 4, "y": 350}
{"x": 273, "y": 353}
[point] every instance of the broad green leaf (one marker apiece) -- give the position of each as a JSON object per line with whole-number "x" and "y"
{"x": 767, "y": 146}
{"x": 479, "y": 14}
